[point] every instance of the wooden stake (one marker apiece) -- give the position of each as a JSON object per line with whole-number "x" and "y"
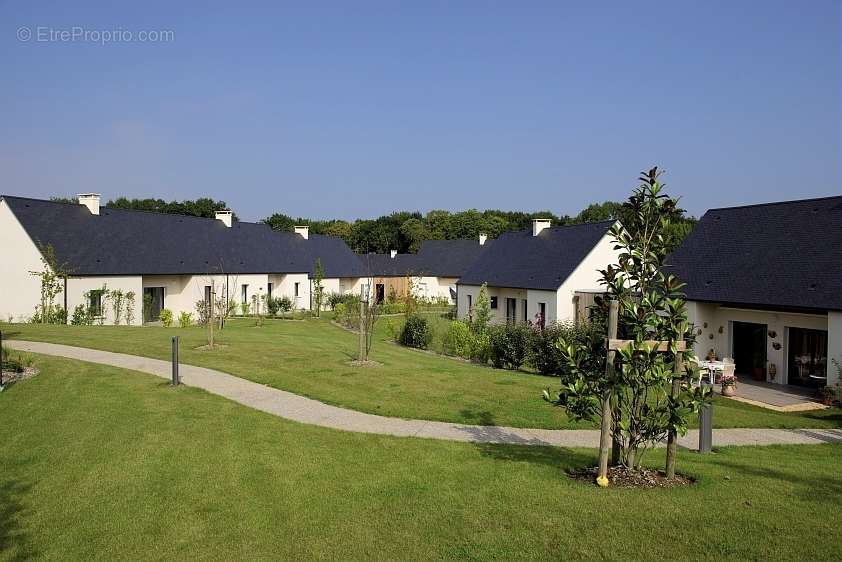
{"x": 362, "y": 353}
{"x": 605, "y": 428}
{"x": 672, "y": 437}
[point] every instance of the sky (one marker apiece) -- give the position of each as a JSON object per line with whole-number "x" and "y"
{"x": 355, "y": 109}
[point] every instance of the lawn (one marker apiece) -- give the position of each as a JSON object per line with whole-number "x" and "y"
{"x": 311, "y": 358}
{"x": 103, "y": 463}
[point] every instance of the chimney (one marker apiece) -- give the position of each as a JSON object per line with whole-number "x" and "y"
{"x": 225, "y": 217}
{"x": 393, "y": 253}
{"x": 482, "y": 239}
{"x": 304, "y": 231}
{"x": 540, "y": 224}
{"x": 89, "y": 200}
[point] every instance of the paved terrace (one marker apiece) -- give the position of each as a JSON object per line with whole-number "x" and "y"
{"x": 778, "y": 397}
{"x": 305, "y": 410}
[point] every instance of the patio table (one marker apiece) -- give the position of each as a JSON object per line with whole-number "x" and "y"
{"x": 712, "y": 367}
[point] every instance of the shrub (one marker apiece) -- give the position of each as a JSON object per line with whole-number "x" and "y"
{"x": 480, "y": 347}
{"x": 202, "y": 312}
{"x": 458, "y": 339}
{"x": 82, "y": 316}
{"x": 14, "y": 362}
{"x": 544, "y": 352}
{"x": 284, "y": 304}
{"x": 416, "y": 332}
{"x": 509, "y": 345}
{"x": 185, "y": 319}
{"x": 54, "y": 314}
{"x": 244, "y": 308}
{"x": 272, "y": 306}
{"x": 166, "y": 318}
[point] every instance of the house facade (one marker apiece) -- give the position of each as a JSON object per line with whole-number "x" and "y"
{"x": 764, "y": 287}
{"x": 165, "y": 261}
{"x": 536, "y": 275}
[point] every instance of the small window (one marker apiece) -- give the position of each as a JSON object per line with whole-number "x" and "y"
{"x": 542, "y": 312}
{"x": 269, "y": 287}
{"x": 525, "y": 317}
{"x": 207, "y": 293}
{"x": 95, "y": 302}
{"x": 494, "y": 302}
{"x": 297, "y": 290}
{"x": 470, "y": 302}
{"x": 245, "y": 293}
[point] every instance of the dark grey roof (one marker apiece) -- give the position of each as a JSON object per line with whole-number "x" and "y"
{"x": 522, "y": 261}
{"x": 786, "y": 255}
{"x": 125, "y": 242}
{"x": 449, "y": 258}
{"x": 338, "y": 260}
{"x": 384, "y": 265}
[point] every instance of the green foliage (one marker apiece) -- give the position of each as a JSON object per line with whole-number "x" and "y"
{"x": 52, "y": 277}
{"x": 648, "y": 398}
{"x": 244, "y": 308}
{"x": 284, "y": 304}
{"x": 82, "y": 316}
{"x": 416, "y": 332}
{"x": 272, "y": 305}
{"x": 116, "y": 298}
{"x": 15, "y": 361}
{"x": 166, "y": 318}
{"x": 509, "y": 345}
{"x": 202, "y": 312}
{"x": 457, "y": 339}
{"x": 130, "y": 304}
{"x": 147, "y": 307}
{"x": 318, "y": 288}
{"x": 54, "y": 314}
{"x": 202, "y": 207}
{"x": 481, "y": 316}
{"x": 544, "y": 355}
{"x": 185, "y": 319}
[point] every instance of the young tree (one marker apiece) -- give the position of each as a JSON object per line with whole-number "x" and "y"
{"x": 482, "y": 310}
{"x": 52, "y": 278}
{"x": 318, "y": 288}
{"x": 648, "y": 395}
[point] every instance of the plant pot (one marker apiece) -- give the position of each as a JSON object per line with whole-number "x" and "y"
{"x": 728, "y": 390}
{"x": 758, "y": 374}
{"x": 827, "y": 401}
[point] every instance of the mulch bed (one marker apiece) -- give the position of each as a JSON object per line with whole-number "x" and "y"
{"x": 622, "y": 477}
{"x": 10, "y": 376}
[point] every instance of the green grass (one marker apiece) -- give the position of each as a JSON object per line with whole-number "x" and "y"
{"x": 101, "y": 463}
{"x": 311, "y": 358}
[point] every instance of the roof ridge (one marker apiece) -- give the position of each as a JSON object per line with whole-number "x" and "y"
{"x": 772, "y": 203}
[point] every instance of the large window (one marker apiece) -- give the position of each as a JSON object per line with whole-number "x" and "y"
{"x": 807, "y": 357}
{"x": 511, "y": 310}
{"x": 244, "y": 293}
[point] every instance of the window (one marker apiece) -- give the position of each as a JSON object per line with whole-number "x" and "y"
{"x": 494, "y": 302}
{"x": 542, "y": 313}
{"x": 511, "y": 310}
{"x": 269, "y": 288}
{"x": 523, "y": 312}
{"x": 244, "y": 294}
{"x": 470, "y": 302}
{"x": 95, "y": 302}
{"x": 207, "y": 294}
{"x": 297, "y": 290}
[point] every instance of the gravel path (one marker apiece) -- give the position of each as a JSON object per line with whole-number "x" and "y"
{"x": 305, "y": 410}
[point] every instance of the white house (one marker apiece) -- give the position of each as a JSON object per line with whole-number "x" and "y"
{"x": 764, "y": 286}
{"x": 168, "y": 261}
{"x": 536, "y": 274}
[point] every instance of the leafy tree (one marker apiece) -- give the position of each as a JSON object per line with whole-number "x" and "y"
{"x": 414, "y": 233}
{"x": 650, "y": 397}
{"x": 202, "y": 207}
{"x": 52, "y": 277}
{"x": 482, "y": 311}
{"x": 318, "y": 288}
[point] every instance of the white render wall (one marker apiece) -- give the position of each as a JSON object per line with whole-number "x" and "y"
{"x": 20, "y": 292}
{"x": 586, "y": 277}
{"x": 498, "y": 316}
{"x": 718, "y": 317}
{"x": 834, "y": 345}
{"x": 78, "y": 286}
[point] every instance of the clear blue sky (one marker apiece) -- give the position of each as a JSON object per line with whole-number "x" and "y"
{"x": 353, "y": 109}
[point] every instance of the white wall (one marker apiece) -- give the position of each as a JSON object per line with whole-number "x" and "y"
{"x": 718, "y": 317}
{"x": 20, "y": 292}
{"x": 498, "y": 316}
{"x": 78, "y": 286}
{"x": 586, "y": 277}
{"x": 834, "y": 345}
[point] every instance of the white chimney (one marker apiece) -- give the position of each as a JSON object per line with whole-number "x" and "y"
{"x": 482, "y": 239}
{"x": 540, "y": 224}
{"x": 225, "y": 217}
{"x": 393, "y": 253}
{"x": 89, "y": 200}
{"x": 304, "y": 231}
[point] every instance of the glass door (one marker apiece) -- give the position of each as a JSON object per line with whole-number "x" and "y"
{"x": 807, "y": 357}
{"x": 153, "y": 303}
{"x": 511, "y": 310}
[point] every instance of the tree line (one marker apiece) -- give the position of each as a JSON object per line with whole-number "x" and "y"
{"x": 404, "y": 231}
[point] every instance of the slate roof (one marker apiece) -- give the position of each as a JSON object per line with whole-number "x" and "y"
{"x": 126, "y": 242}
{"x": 435, "y": 258}
{"x": 781, "y": 255}
{"x": 520, "y": 260}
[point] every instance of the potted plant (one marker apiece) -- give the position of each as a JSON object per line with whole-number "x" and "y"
{"x": 729, "y": 384}
{"x": 827, "y": 394}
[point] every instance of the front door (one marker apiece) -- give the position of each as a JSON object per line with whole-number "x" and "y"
{"x": 807, "y": 357}
{"x": 153, "y": 303}
{"x": 749, "y": 347}
{"x": 379, "y": 293}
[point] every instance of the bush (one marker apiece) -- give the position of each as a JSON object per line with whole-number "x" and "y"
{"x": 54, "y": 315}
{"x": 244, "y": 308}
{"x": 509, "y": 345}
{"x": 82, "y": 316}
{"x": 458, "y": 340}
{"x": 544, "y": 353}
{"x": 480, "y": 347}
{"x": 416, "y": 332}
{"x": 166, "y": 318}
{"x": 202, "y": 312}
{"x": 272, "y": 305}
{"x": 185, "y": 319}
{"x": 14, "y": 362}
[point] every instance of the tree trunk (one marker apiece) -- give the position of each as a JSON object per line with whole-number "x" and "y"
{"x": 605, "y": 427}
{"x": 673, "y": 438}
{"x": 362, "y": 351}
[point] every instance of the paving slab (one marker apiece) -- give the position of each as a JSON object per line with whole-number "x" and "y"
{"x": 306, "y": 410}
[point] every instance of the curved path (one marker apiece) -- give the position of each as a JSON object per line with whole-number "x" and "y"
{"x": 305, "y": 410}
